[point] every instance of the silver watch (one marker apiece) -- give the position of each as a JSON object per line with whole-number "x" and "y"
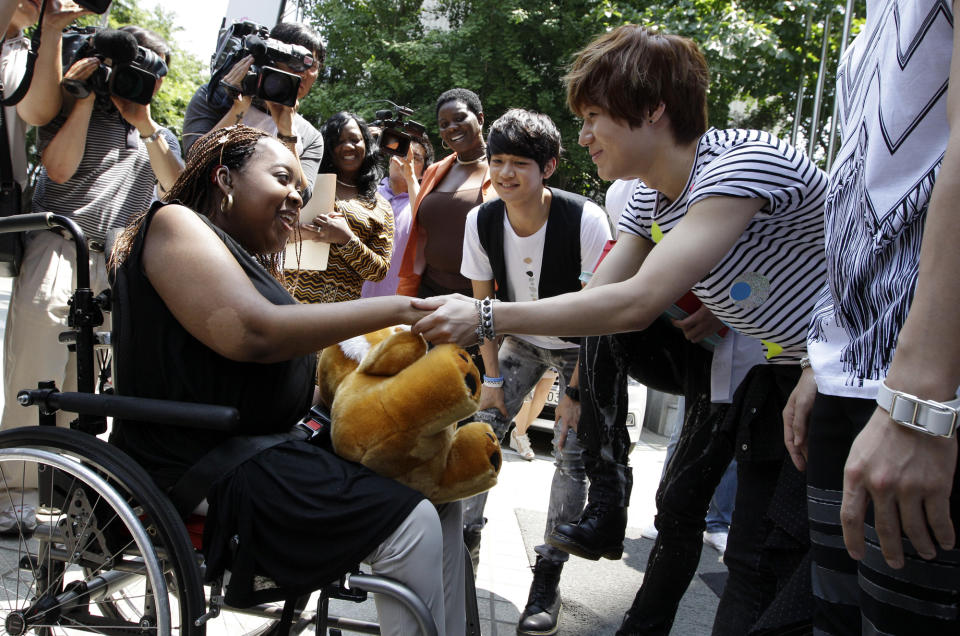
{"x": 927, "y": 416}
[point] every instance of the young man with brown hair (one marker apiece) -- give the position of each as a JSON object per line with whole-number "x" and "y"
{"x": 734, "y": 215}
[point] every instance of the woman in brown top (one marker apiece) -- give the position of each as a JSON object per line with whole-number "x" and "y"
{"x": 450, "y": 189}
{"x": 360, "y": 230}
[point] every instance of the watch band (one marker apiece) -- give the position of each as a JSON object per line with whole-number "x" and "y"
{"x": 572, "y": 392}
{"x": 288, "y": 139}
{"x": 149, "y": 139}
{"x": 927, "y": 416}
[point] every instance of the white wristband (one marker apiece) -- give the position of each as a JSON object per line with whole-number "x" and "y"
{"x": 927, "y": 416}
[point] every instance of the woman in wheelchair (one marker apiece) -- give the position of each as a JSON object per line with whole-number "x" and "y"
{"x": 203, "y": 317}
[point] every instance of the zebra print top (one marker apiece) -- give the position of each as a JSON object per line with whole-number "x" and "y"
{"x": 766, "y": 284}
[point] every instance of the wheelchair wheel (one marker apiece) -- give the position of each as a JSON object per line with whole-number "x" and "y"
{"x": 109, "y": 554}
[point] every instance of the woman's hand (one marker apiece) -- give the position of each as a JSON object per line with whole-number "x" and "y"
{"x": 454, "y": 319}
{"x": 59, "y": 15}
{"x": 137, "y": 115}
{"x": 80, "y": 71}
{"x": 333, "y": 228}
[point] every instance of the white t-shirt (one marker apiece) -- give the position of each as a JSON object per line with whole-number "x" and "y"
{"x": 523, "y": 259}
{"x": 13, "y": 64}
{"x": 765, "y": 286}
{"x": 892, "y": 113}
{"x": 617, "y": 196}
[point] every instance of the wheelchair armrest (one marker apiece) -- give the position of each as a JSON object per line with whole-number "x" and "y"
{"x": 185, "y": 414}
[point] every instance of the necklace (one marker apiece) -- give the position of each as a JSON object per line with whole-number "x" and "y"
{"x": 346, "y": 185}
{"x": 470, "y": 162}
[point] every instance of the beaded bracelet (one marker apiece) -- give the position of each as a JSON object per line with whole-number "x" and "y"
{"x": 493, "y": 383}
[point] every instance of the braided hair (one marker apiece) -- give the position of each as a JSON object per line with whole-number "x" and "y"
{"x": 195, "y": 188}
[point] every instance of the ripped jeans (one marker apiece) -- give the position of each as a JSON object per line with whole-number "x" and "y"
{"x": 522, "y": 365}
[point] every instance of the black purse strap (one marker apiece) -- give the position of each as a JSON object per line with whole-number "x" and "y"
{"x": 7, "y": 181}
{"x": 31, "y": 62}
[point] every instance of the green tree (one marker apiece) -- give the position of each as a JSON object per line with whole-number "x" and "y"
{"x": 513, "y": 53}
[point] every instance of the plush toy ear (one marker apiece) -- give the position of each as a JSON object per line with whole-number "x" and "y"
{"x": 394, "y": 354}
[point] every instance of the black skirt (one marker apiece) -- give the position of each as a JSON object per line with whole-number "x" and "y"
{"x": 295, "y": 518}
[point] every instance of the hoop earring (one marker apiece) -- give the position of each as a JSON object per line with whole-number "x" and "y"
{"x": 226, "y": 203}
{"x": 443, "y": 144}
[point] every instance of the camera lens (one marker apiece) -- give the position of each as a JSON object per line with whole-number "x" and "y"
{"x": 278, "y": 86}
{"x": 130, "y": 82}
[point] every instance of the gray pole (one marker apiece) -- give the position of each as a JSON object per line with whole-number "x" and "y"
{"x": 831, "y": 149}
{"x": 818, "y": 98}
{"x": 798, "y": 111}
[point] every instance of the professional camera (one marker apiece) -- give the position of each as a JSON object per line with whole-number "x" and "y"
{"x": 126, "y": 69}
{"x": 97, "y": 6}
{"x": 263, "y": 80}
{"x": 397, "y": 133}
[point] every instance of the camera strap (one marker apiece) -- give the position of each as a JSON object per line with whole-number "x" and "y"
{"x": 31, "y": 62}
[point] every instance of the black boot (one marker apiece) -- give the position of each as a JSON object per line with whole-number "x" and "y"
{"x": 599, "y": 533}
{"x": 542, "y": 613}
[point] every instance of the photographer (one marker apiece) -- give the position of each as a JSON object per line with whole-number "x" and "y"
{"x": 281, "y": 121}
{"x": 102, "y": 156}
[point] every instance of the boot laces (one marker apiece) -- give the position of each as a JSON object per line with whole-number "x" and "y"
{"x": 543, "y": 590}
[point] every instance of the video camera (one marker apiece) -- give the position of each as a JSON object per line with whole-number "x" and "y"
{"x": 97, "y": 6}
{"x": 263, "y": 80}
{"x": 397, "y": 133}
{"x": 126, "y": 69}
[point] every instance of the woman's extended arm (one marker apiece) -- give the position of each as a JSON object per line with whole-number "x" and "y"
{"x": 610, "y": 304}
{"x": 209, "y": 294}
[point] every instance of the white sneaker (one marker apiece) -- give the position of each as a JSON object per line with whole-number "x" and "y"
{"x": 650, "y": 532}
{"x": 521, "y": 444}
{"x": 716, "y": 540}
{"x": 18, "y": 520}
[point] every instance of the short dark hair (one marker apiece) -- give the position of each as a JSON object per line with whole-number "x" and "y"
{"x": 460, "y": 94}
{"x": 150, "y": 40}
{"x": 630, "y": 70}
{"x": 526, "y": 134}
{"x": 369, "y": 175}
{"x": 301, "y": 35}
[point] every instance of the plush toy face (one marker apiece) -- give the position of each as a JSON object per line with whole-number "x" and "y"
{"x": 396, "y": 411}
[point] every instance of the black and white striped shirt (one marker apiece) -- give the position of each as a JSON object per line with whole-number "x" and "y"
{"x": 114, "y": 180}
{"x": 767, "y": 283}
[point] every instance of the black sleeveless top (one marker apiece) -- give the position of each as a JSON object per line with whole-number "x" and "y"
{"x": 285, "y": 522}
{"x": 157, "y": 358}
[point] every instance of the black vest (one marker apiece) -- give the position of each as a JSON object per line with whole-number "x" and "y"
{"x": 560, "y": 269}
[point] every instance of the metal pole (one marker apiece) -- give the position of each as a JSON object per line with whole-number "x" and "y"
{"x": 798, "y": 111}
{"x": 818, "y": 98}
{"x": 831, "y": 148}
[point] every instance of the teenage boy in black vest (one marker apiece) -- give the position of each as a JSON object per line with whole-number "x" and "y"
{"x": 533, "y": 242}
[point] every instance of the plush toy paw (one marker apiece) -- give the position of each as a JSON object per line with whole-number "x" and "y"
{"x": 395, "y": 408}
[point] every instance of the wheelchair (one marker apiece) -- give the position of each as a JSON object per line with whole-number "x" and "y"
{"x": 110, "y": 554}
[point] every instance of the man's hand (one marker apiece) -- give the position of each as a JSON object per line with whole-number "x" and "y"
{"x": 908, "y": 475}
{"x": 454, "y": 319}
{"x": 60, "y": 13}
{"x": 698, "y": 325}
{"x": 491, "y": 397}
{"x": 796, "y": 418}
{"x": 567, "y": 415}
{"x": 282, "y": 117}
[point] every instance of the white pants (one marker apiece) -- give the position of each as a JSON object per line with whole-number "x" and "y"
{"x": 36, "y": 317}
{"x": 426, "y": 553}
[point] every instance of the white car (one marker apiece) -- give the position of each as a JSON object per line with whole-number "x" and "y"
{"x": 635, "y": 417}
